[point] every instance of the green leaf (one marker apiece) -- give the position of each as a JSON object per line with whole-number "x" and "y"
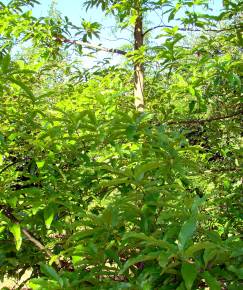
{"x": 141, "y": 169}
{"x": 16, "y": 231}
{"x": 192, "y": 106}
{"x": 237, "y": 253}
{"x": 140, "y": 258}
{"x": 181, "y": 286}
{"x": 40, "y": 164}
{"x": 43, "y": 284}
{"x": 114, "y": 181}
{"x": 5, "y": 62}
{"x": 197, "y": 247}
{"x": 189, "y": 274}
{"x": 211, "y": 281}
{"x": 76, "y": 260}
{"x": 172, "y": 15}
{"x": 2, "y": 228}
{"x": 23, "y": 87}
{"x": 196, "y": 203}
{"x": 164, "y": 258}
{"x": 38, "y": 284}
{"x": 149, "y": 240}
{"x": 49, "y": 214}
{"x": 191, "y": 90}
{"x": 237, "y": 271}
{"x": 131, "y": 131}
{"x": 214, "y": 237}
{"x": 209, "y": 255}
{"x": 51, "y": 273}
{"x": 186, "y": 232}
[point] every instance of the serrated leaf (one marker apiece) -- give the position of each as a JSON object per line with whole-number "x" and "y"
{"x": 16, "y": 231}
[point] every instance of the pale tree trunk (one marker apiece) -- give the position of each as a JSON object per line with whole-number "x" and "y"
{"x": 138, "y": 66}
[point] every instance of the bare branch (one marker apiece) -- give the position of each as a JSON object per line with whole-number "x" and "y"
{"x": 37, "y": 243}
{"x": 118, "y": 38}
{"x": 8, "y": 212}
{"x": 221, "y": 170}
{"x": 190, "y": 29}
{"x": 202, "y": 121}
{"x": 92, "y": 46}
{"x": 9, "y": 165}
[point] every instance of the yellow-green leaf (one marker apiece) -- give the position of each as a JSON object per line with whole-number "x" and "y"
{"x": 49, "y": 214}
{"x": 16, "y": 231}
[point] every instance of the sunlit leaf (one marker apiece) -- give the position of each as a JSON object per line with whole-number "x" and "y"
{"x": 15, "y": 229}
{"x": 49, "y": 214}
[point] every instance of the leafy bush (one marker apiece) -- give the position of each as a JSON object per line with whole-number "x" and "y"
{"x": 95, "y": 194}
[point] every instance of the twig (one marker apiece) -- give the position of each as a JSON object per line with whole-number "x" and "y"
{"x": 92, "y": 46}
{"x": 220, "y": 170}
{"x": 202, "y": 121}
{"x": 189, "y": 29}
{"x": 9, "y": 165}
{"x": 8, "y": 212}
{"x": 37, "y": 243}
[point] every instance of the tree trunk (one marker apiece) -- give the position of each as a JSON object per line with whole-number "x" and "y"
{"x": 138, "y": 66}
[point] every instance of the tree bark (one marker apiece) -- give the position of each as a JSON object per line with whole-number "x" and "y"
{"x": 138, "y": 65}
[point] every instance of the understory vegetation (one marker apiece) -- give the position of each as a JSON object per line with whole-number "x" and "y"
{"x": 99, "y": 193}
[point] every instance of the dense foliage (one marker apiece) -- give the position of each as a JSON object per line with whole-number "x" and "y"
{"x": 96, "y": 195}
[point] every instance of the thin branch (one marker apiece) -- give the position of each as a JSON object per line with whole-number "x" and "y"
{"x": 117, "y": 39}
{"x": 92, "y": 46}
{"x": 189, "y": 29}
{"x": 8, "y": 212}
{"x": 220, "y": 170}
{"x": 202, "y": 121}
{"x": 37, "y": 243}
{"x": 9, "y": 165}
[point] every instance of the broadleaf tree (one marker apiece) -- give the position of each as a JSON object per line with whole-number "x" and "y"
{"x": 101, "y": 189}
